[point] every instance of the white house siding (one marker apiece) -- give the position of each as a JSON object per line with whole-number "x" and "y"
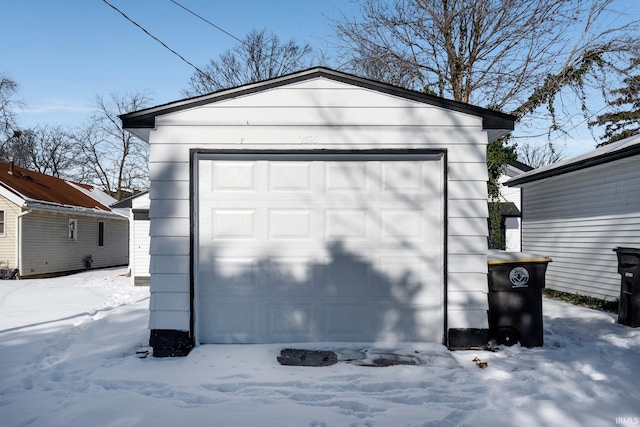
{"x": 317, "y": 114}
{"x": 8, "y": 240}
{"x": 140, "y": 252}
{"x": 39, "y": 256}
{"x": 510, "y": 194}
{"x": 139, "y": 245}
{"x": 577, "y": 219}
{"x": 512, "y": 232}
{"x": 512, "y": 237}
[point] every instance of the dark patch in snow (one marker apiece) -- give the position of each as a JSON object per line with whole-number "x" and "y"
{"x": 298, "y": 357}
{"x": 364, "y": 357}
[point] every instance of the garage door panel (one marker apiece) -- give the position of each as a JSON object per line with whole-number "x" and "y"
{"x": 297, "y": 321}
{"x": 229, "y": 322}
{"x": 289, "y": 177}
{"x": 242, "y": 276}
{"x": 346, "y": 224}
{"x": 232, "y": 177}
{"x": 391, "y": 276}
{"x": 231, "y": 224}
{"x": 347, "y": 276}
{"x": 291, "y": 274}
{"x": 396, "y": 272}
{"x": 230, "y": 275}
{"x": 405, "y": 178}
{"x": 402, "y": 225}
{"x": 346, "y": 178}
{"x": 290, "y": 224}
{"x": 330, "y": 224}
{"x": 348, "y": 321}
{"x": 319, "y": 250}
{"x": 399, "y": 322}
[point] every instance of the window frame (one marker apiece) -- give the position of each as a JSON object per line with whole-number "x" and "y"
{"x": 101, "y": 228}
{"x": 73, "y": 230}
{"x": 3, "y": 223}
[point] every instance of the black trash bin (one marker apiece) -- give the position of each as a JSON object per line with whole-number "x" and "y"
{"x": 516, "y": 280}
{"x": 629, "y": 269}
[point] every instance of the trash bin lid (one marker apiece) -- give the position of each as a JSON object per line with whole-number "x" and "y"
{"x": 633, "y": 251}
{"x": 497, "y": 257}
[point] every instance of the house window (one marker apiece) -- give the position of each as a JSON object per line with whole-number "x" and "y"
{"x": 1, "y": 223}
{"x": 73, "y": 230}
{"x": 100, "y": 234}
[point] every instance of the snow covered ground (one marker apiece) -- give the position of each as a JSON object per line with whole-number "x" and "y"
{"x": 68, "y": 358}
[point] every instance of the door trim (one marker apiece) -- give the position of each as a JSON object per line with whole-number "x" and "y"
{"x": 197, "y": 154}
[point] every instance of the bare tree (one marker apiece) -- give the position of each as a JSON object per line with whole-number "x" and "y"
{"x": 48, "y": 150}
{"x": 8, "y": 128}
{"x": 540, "y": 155}
{"x": 259, "y": 56}
{"x": 511, "y": 55}
{"x": 112, "y": 158}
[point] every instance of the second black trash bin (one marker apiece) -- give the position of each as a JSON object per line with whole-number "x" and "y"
{"x": 629, "y": 269}
{"x": 516, "y": 280}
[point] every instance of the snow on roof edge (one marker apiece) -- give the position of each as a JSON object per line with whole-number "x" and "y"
{"x": 626, "y": 147}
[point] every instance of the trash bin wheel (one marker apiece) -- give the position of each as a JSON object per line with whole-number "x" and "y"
{"x": 506, "y": 335}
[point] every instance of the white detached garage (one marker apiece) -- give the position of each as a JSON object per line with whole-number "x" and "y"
{"x": 313, "y": 207}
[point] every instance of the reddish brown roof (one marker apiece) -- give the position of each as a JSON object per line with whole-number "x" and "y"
{"x": 45, "y": 188}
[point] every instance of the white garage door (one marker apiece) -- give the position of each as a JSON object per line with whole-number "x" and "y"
{"x": 319, "y": 247}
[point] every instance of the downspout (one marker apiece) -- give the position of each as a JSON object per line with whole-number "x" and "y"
{"x": 19, "y": 239}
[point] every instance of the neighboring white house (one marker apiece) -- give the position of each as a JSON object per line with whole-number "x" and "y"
{"x": 578, "y": 210}
{"x": 511, "y": 207}
{"x": 49, "y": 226}
{"x": 137, "y": 209}
{"x": 317, "y": 206}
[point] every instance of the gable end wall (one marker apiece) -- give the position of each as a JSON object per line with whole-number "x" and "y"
{"x": 317, "y": 114}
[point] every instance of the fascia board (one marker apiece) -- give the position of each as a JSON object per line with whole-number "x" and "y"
{"x": 12, "y": 195}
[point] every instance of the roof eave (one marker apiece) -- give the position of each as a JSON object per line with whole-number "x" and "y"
{"x": 94, "y": 212}
{"x": 12, "y": 195}
{"x": 630, "y": 151}
{"x": 497, "y": 123}
{"x": 128, "y": 202}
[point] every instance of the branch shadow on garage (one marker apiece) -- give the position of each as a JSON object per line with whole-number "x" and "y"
{"x": 342, "y": 298}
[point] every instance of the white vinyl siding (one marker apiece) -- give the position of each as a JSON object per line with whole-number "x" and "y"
{"x": 8, "y": 239}
{"x": 140, "y": 252}
{"x": 578, "y": 218}
{"x": 317, "y": 114}
{"x": 512, "y": 232}
{"x": 510, "y": 194}
{"x": 139, "y": 246}
{"x": 57, "y": 253}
